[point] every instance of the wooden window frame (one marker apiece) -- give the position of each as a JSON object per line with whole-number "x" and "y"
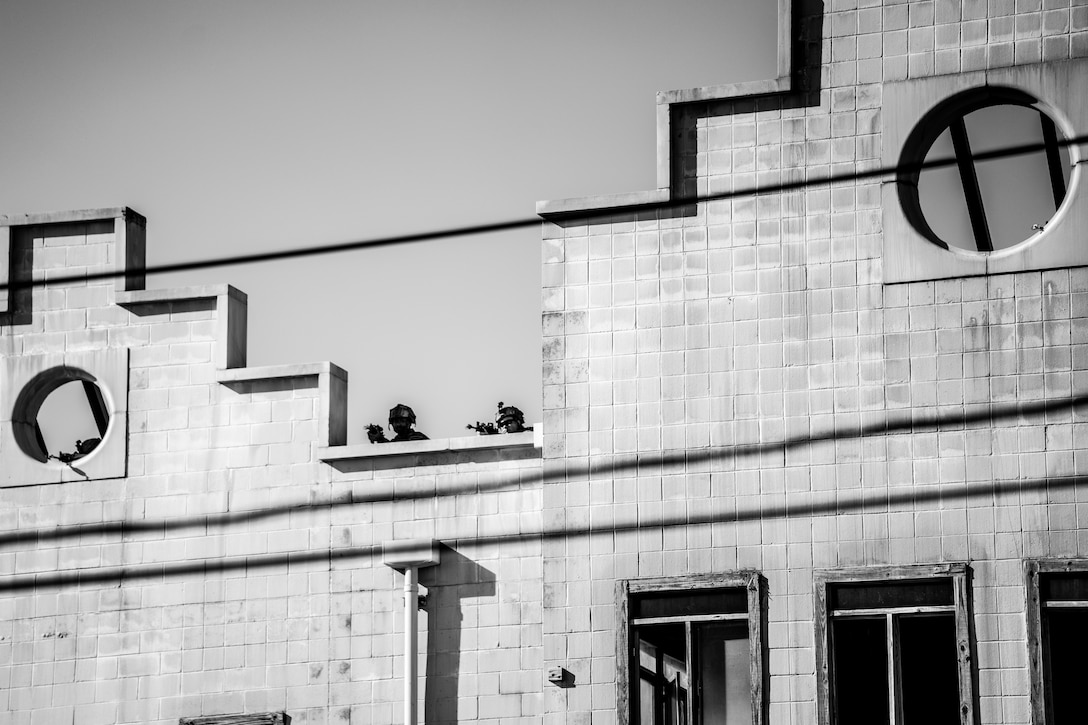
{"x": 958, "y": 573}
{"x": 749, "y": 580}
{"x": 1040, "y": 694}
{"x": 256, "y": 718}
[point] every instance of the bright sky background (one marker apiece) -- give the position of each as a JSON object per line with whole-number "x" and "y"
{"x": 246, "y": 126}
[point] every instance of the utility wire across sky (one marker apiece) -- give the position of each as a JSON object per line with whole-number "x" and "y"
{"x": 505, "y": 226}
{"x": 623, "y": 464}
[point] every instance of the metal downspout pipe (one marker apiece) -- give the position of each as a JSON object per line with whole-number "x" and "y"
{"x": 411, "y": 645}
{"x": 409, "y": 556}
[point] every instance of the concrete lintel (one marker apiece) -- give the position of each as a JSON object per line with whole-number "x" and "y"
{"x": 272, "y": 372}
{"x": 411, "y": 449}
{"x": 604, "y": 202}
{"x": 76, "y": 215}
{"x": 478, "y": 442}
{"x": 132, "y": 298}
{"x": 407, "y": 553}
{"x": 334, "y": 454}
{"x": 731, "y": 91}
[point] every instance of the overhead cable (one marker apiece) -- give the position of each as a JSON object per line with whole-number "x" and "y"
{"x": 902, "y": 169}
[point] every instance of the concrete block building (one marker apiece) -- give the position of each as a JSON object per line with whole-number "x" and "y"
{"x": 813, "y": 447}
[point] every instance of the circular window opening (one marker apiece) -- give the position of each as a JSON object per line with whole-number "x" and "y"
{"x": 976, "y": 197}
{"x": 62, "y": 414}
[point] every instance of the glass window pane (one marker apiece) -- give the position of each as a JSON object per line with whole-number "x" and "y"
{"x": 1067, "y": 641}
{"x": 928, "y": 672}
{"x": 875, "y": 595}
{"x": 646, "y": 696}
{"x": 940, "y": 193}
{"x": 1065, "y": 587}
{"x": 724, "y": 674}
{"x": 1012, "y": 204}
{"x": 690, "y": 603}
{"x": 859, "y": 671}
{"x": 662, "y": 674}
{"x": 1015, "y": 192}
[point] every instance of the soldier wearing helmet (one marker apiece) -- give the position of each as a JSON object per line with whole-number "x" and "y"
{"x": 401, "y": 420}
{"x": 511, "y": 419}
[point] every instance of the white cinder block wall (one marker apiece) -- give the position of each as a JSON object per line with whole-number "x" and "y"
{"x": 728, "y": 387}
{"x": 227, "y": 569}
{"x": 753, "y": 343}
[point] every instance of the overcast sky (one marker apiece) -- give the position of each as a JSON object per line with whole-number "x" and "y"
{"x": 245, "y": 126}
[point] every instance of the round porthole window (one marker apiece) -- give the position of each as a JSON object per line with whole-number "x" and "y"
{"x": 61, "y": 414}
{"x": 978, "y": 200}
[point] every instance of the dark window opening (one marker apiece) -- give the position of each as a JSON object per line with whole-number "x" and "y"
{"x": 696, "y": 655}
{"x": 1064, "y": 599}
{"x": 680, "y": 604}
{"x": 663, "y": 674}
{"x": 866, "y": 595}
{"x": 892, "y": 652}
{"x": 1064, "y": 587}
{"x": 723, "y": 673}
{"x": 860, "y": 660}
{"x": 928, "y": 676}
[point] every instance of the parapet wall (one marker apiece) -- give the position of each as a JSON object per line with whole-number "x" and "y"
{"x": 219, "y": 553}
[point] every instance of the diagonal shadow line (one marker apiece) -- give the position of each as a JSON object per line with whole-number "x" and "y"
{"x": 858, "y": 500}
{"x": 909, "y": 421}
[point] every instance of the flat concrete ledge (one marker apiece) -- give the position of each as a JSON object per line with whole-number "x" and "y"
{"x": 67, "y": 217}
{"x": 135, "y": 298}
{"x": 409, "y": 451}
{"x": 230, "y": 303}
{"x": 602, "y": 203}
{"x": 727, "y": 91}
{"x": 330, "y": 380}
{"x": 414, "y": 553}
{"x": 280, "y": 372}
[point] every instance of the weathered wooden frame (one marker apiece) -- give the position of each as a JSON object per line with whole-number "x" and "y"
{"x": 257, "y": 718}
{"x": 756, "y": 587}
{"x": 959, "y": 574}
{"x": 1040, "y": 694}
